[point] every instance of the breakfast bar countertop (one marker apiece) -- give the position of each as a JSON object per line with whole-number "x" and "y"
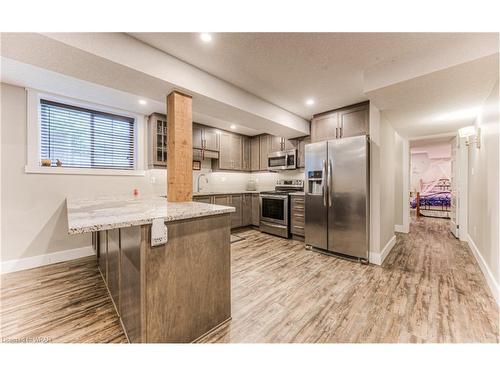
{"x": 119, "y": 211}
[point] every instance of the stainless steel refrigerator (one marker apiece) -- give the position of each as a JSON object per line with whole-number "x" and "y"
{"x": 337, "y": 196}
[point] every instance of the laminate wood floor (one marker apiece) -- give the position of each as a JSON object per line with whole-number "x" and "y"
{"x": 64, "y": 302}
{"x": 429, "y": 289}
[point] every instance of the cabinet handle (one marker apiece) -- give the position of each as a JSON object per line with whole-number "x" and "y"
{"x": 336, "y": 132}
{"x": 341, "y": 132}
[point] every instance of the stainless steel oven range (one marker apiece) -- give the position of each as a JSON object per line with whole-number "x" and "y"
{"x": 275, "y": 207}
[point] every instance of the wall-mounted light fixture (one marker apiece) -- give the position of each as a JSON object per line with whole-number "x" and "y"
{"x": 472, "y": 135}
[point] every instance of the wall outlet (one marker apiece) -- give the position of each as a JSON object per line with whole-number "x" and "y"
{"x": 159, "y": 232}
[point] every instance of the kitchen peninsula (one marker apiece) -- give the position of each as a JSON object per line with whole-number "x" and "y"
{"x": 175, "y": 292}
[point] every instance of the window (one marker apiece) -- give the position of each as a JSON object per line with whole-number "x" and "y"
{"x": 85, "y": 138}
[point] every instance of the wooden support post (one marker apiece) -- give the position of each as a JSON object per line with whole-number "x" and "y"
{"x": 179, "y": 147}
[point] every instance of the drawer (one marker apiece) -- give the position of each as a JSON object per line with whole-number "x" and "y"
{"x": 297, "y": 229}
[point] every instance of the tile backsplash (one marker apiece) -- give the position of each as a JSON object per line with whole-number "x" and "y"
{"x": 224, "y": 181}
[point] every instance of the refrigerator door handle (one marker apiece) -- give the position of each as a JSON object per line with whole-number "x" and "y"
{"x": 323, "y": 174}
{"x": 330, "y": 183}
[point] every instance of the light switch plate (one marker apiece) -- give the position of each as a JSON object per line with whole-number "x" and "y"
{"x": 159, "y": 232}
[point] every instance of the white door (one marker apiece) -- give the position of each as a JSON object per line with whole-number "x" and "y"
{"x": 455, "y": 178}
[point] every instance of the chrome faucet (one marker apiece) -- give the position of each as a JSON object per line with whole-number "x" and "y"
{"x": 198, "y": 181}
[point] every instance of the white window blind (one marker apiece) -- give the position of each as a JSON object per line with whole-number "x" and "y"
{"x": 85, "y": 138}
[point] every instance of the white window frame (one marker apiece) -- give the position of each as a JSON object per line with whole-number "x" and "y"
{"x": 33, "y": 131}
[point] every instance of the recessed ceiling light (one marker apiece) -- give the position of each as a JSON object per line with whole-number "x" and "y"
{"x": 206, "y": 37}
{"x": 233, "y": 126}
{"x": 142, "y": 102}
{"x": 310, "y": 101}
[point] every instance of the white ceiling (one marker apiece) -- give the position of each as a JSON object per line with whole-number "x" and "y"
{"x": 440, "y": 102}
{"x": 424, "y": 83}
{"x": 288, "y": 68}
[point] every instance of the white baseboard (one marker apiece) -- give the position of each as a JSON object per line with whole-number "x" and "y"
{"x": 45, "y": 259}
{"x": 400, "y": 229}
{"x": 490, "y": 280}
{"x": 378, "y": 258}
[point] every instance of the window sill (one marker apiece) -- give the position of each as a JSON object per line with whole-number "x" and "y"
{"x": 83, "y": 171}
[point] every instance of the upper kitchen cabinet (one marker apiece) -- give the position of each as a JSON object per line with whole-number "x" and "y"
{"x": 230, "y": 151}
{"x": 157, "y": 124}
{"x": 279, "y": 143}
{"x": 246, "y": 153}
{"x": 301, "y": 151}
{"x": 353, "y": 121}
{"x": 264, "y": 149}
{"x": 205, "y": 137}
{"x": 344, "y": 122}
{"x": 324, "y": 127}
{"x": 255, "y": 153}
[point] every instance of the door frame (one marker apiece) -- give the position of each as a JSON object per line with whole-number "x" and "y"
{"x": 462, "y": 165}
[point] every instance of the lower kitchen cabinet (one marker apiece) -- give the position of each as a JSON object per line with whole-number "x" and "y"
{"x": 297, "y": 215}
{"x": 255, "y": 210}
{"x": 114, "y": 265}
{"x": 246, "y": 212}
{"x": 130, "y": 282}
{"x": 247, "y": 207}
{"x": 102, "y": 239}
{"x": 237, "y": 203}
{"x": 203, "y": 199}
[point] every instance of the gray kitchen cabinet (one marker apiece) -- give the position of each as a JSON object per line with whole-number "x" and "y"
{"x": 344, "y": 122}
{"x": 157, "y": 140}
{"x": 280, "y": 144}
{"x": 255, "y": 210}
{"x": 210, "y": 138}
{"x": 297, "y": 215}
{"x": 236, "y": 201}
{"x": 301, "y": 151}
{"x": 246, "y": 212}
{"x": 255, "y": 153}
{"x": 225, "y": 154}
{"x": 203, "y": 199}
{"x": 275, "y": 143}
{"x": 265, "y": 147}
{"x": 236, "y": 151}
{"x": 130, "y": 282}
{"x": 246, "y": 153}
{"x": 288, "y": 144}
{"x": 223, "y": 200}
{"x": 113, "y": 244}
{"x": 205, "y": 137}
{"x": 102, "y": 240}
{"x": 197, "y": 136}
{"x": 324, "y": 127}
{"x": 354, "y": 121}
{"x": 230, "y": 151}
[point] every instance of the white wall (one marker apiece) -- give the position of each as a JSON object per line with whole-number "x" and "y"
{"x": 33, "y": 216}
{"x": 387, "y": 182}
{"x": 382, "y": 185}
{"x": 398, "y": 180}
{"x": 483, "y": 191}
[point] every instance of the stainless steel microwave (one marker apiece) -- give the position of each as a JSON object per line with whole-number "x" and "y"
{"x": 279, "y": 160}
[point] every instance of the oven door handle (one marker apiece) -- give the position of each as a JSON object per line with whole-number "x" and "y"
{"x": 281, "y": 197}
{"x": 274, "y": 225}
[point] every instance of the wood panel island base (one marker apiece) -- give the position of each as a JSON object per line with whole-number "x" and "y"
{"x": 172, "y": 293}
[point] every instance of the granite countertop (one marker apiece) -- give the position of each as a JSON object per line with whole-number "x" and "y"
{"x": 201, "y": 193}
{"x": 109, "y": 212}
